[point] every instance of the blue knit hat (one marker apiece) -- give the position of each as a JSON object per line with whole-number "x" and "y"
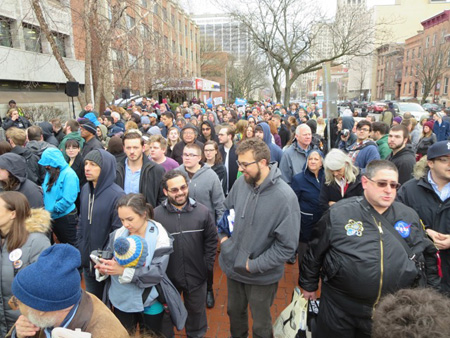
{"x": 130, "y": 251}
{"x": 53, "y": 282}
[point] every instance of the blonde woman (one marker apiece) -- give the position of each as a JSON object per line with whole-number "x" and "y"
{"x": 342, "y": 179}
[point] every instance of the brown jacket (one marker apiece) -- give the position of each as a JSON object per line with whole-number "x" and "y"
{"x": 94, "y": 317}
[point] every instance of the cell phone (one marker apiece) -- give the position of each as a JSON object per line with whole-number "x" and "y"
{"x": 95, "y": 259}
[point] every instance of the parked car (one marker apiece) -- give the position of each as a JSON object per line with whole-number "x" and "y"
{"x": 376, "y": 107}
{"x": 414, "y": 108}
{"x": 432, "y": 107}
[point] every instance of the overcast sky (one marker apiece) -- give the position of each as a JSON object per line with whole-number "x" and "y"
{"x": 209, "y": 6}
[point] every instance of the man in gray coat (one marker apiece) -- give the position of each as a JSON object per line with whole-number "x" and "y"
{"x": 260, "y": 238}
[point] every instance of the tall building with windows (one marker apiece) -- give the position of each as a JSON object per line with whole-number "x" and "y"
{"x": 220, "y": 33}
{"x": 30, "y": 74}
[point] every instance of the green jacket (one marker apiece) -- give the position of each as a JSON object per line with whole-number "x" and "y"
{"x": 383, "y": 147}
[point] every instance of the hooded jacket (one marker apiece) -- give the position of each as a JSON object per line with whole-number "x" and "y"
{"x": 275, "y": 151}
{"x": 177, "y": 152}
{"x": 149, "y": 182}
{"x": 265, "y": 236}
{"x": 17, "y": 166}
{"x": 404, "y": 160}
{"x": 418, "y": 194}
{"x": 213, "y": 137}
{"x": 194, "y": 246}
{"x": 38, "y": 226}
{"x": 75, "y": 135}
{"x": 47, "y": 131}
{"x": 205, "y": 188}
{"x": 35, "y": 172}
{"x": 21, "y": 123}
{"x": 60, "y": 200}
{"x": 98, "y": 212}
{"x": 38, "y": 147}
{"x": 363, "y": 154}
{"x": 307, "y": 188}
{"x": 383, "y": 147}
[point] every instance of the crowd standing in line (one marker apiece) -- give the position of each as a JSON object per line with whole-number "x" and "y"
{"x": 150, "y": 194}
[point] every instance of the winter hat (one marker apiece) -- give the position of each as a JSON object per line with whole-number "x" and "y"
{"x": 130, "y": 251}
{"x": 95, "y": 156}
{"x": 189, "y": 126}
{"x": 53, "y": 282}
{"x": 441, "y": 148}
{"x": 429, "y": 124}
{"x": 15, "y": 164}
{"x": 88, "y": 126}
{"x": 440, "y": 114}
{"x": 398, "y": 119}
{"x": 153, "y": 115}
{"x": 187, "y": 116}
{"x": 91, "y": 117}
{"x": 145, "y": 120}
{"x": 154, "y": 131}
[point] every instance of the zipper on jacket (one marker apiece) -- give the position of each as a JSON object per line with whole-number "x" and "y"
{"x": 380, "y": 229}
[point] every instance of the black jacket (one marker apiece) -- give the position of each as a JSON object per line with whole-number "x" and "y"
{"x": 404, "y": 160}
{"x": 221, "y": 172}
{"x": 232, "y": 165}
{"x": 92, "y": 144}
{"x": 149, "y": 182}
{"x": 357, "y": 257}
{"x": 213, "y": 137}
{"x": 285, "y": 135}
{"x": 35, "y": 172}
{"x": 21, "y": 123}
{"x": 435, "y": 214}
{"x": 194, "y": 246}
{"x": 98, "y": 212}
{"x": 332, "y": 192}
{"x": 17, "y": 166}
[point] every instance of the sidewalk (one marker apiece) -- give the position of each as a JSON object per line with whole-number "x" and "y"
{"x": 218, "y": 325}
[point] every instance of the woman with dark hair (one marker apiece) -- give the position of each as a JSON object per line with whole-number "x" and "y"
{"x": 213, "y": 158}
{"x": 24, "y": 234}
{"x": 427, "y": 139}
{"x": 249, "y": 131}
{"x": 76, "y": 163}
{"x": 134, "y": 282}
{"x": 13, "y": 177}
{"x": 61, "y": 187}
{"x": 115, "y": 147}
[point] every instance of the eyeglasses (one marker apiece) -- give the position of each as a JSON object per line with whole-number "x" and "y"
{"x": 188, "y": 133}
{"x": 244, "y": 164}
{"x": 177, "y": 190}
{"x": 384, "y": 184}
{"x": 190, "y": 155}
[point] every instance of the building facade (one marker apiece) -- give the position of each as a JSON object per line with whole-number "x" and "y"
{"x": 30, "y": 73}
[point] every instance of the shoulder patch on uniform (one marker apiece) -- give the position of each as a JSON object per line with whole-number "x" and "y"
{"x": 403, "y": 228}
{"x": 354, "y": 228}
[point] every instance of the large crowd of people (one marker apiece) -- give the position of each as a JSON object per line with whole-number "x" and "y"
{"x": 147, "y": 194}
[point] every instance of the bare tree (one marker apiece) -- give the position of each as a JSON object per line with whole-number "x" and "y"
{"x": 361, "y": 66}
{"x": 246, "y": 75}
{"x": 431, "y": 67}
{"x": 288, "y": 30}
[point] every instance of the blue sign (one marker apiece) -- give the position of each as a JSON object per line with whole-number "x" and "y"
{"x": 240, "y": 102}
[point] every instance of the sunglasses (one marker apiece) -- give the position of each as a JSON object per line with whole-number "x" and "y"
{"x": 384, "y": 184}
{"x": 177, "y": 190}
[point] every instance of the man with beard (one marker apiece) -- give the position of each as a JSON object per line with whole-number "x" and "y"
{"x": 403, "y": 155}
{"x": 261, "y": 241}
{"x": 194, "y": 249}
{"x": 71, "y": 131}
{"x": 48, "y": 294}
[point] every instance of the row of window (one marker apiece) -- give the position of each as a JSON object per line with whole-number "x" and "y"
{"x": 32, "y": 38}
{"x": 415, "y": 85}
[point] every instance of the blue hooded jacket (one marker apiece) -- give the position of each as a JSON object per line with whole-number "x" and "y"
{"x": 275, "y": 151}
{"x": 60, "y": 200}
